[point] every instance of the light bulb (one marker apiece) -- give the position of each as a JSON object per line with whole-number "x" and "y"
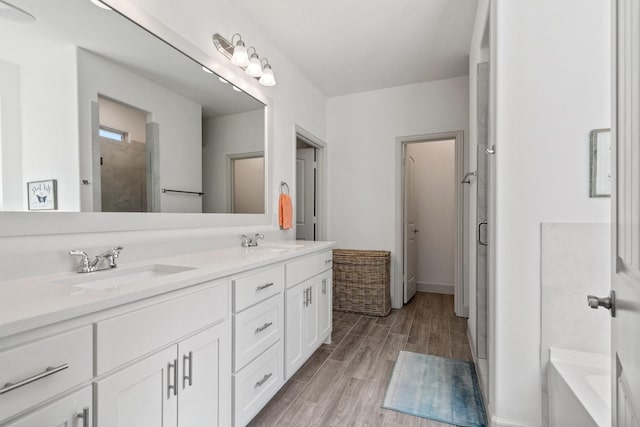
{"x": 240, "y": 57}
{"x": 267, "y": 78}
{"x": 254, "y": 69}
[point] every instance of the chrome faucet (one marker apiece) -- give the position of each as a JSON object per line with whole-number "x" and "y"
{"x": 104, "y": 261}
{"x": 250, "y": 242}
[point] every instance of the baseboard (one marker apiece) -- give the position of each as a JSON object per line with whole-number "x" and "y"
{"x": 435, "y": 288}
{"x": 499, "y": 422}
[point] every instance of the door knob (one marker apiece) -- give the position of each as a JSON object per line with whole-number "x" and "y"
{"x": 416, "y": 231}
{"x": 607, "y": 302}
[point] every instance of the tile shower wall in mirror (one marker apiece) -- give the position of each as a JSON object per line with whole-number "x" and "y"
{"x": 122, "y": 121}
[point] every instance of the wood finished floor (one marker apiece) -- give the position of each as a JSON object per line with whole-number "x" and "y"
{"x": 343, "y": 384}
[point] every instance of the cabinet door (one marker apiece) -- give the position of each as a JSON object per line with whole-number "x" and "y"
{"x": 324, "y": 305}
{"x": 205, "y": 378}
{"x": 144, "y": 394}
{"x": 67, "y": 412}
{"x": 294, "y": 342}
{"x": 310, "y": 321}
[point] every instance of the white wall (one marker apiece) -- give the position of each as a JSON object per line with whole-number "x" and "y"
{"x": 552, "y": 61}
{"x": 223, "y": 136}
{"x": 50, "y": 123}
{"x": 12, "y": 189}
{"x": 435, "y": 213}
{"x": 362, "y": 129}
{"x": 571, "y": 269}
{"x": 295, "y": 101}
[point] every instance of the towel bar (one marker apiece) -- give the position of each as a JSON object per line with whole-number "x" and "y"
{"x": 166, "y": 190}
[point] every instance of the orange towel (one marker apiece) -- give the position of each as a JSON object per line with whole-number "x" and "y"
{"x": 285, "y": 212}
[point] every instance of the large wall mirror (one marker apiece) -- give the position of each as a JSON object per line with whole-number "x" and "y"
{"x": 103, "y": 116}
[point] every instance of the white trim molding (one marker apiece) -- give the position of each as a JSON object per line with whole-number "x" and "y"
{"x": 436, "y": 288}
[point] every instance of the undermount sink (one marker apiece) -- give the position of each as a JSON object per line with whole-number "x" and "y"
{"x": 282, "y": 245}
{"x": 109, "y": 279}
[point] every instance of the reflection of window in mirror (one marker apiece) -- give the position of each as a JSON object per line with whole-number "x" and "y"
{"x": 247, "y": 185}
{"x": 123, "y": 157}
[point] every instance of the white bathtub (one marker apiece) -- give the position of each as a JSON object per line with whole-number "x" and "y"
{"x": 579, "y": 387}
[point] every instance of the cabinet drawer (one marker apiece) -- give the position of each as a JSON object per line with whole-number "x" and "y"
{"x": 257, "y": 384}
{"x": 131, "y": 335}
{"x": 256, "y": 329}
{"x": 307, "y": 267}
{"x": 71, "y": 352}
{"x": 255, "y": 287}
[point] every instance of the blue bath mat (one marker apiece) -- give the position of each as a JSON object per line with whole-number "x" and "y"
{"x": 437, "y": 388}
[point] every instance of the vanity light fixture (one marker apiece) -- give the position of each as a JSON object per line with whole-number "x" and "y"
{"x": 267, "y": 78}
{"x": 206, "y": 70}
{"x": 236, "y": 89}
{"x": 222, "y": 80}
{"x": 238, "y": 54}
{"x": 254, "y": 69}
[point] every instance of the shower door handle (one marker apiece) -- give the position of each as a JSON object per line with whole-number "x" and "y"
{"x": 480, "y": 241}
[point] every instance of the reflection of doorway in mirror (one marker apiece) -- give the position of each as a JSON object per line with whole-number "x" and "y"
{"x": 124, "y": 158}
{"x": 305, "y": 191}
{"x": 247, "y": 184}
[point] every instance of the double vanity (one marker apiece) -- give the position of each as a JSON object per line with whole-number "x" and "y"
{"x": 204, "y": 339}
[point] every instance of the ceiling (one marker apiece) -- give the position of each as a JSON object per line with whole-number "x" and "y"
{"x": 349, "y": 46}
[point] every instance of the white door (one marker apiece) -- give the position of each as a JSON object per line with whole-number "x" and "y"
{"x": 144, "y": 394}
{"x": 305, "y": 194}
{"x": 310, "y": 316}
{"x": 324, "y": 305}
{"x": 71, "y": 411}
{"x": 204, "y": 381}
{"x": 625, "y": 239}
{"x": 295, "y": 308}
{"x": 410, "y": 249}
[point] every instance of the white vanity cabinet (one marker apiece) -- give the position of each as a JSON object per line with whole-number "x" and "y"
{"x": 258, "y": 332}
{"x": 71, "y": 411}
{"x": 183, "y": 385}
{"x": 211, "y": 351}
{"x": 308, "y": 308}
{"x": 43, "y": 369}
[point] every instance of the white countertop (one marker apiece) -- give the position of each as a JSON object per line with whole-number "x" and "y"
{"x": 34, "y": 302}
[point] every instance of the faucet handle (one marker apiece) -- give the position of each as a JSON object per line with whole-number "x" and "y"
{"x": 258, "y": 236}
{"x": 116, "y": 251}
{"x": 75, "y": 252}
{"x": 84, "y": 262}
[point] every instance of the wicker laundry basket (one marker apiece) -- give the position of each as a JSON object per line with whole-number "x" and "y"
{"x": 361, "y": 281}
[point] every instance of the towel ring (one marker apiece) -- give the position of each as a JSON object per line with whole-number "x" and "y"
{"x": 284, "y": 185}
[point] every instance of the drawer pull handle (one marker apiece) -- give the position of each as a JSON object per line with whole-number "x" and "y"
{"x": 189, "y": 376}
{"x": 328, "y": 261}
{"x": 84, "y": 416}
{"x": 324, "y": 286}
{"x": 263, "y": 380}
{"x": 173, "y": 386}
{"x": 263, "y": 327}
{"x": 48, "y": 372}
{"x": 265, "y": 286}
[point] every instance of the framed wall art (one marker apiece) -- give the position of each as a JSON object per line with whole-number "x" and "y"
{"x": 42, "y": 195}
